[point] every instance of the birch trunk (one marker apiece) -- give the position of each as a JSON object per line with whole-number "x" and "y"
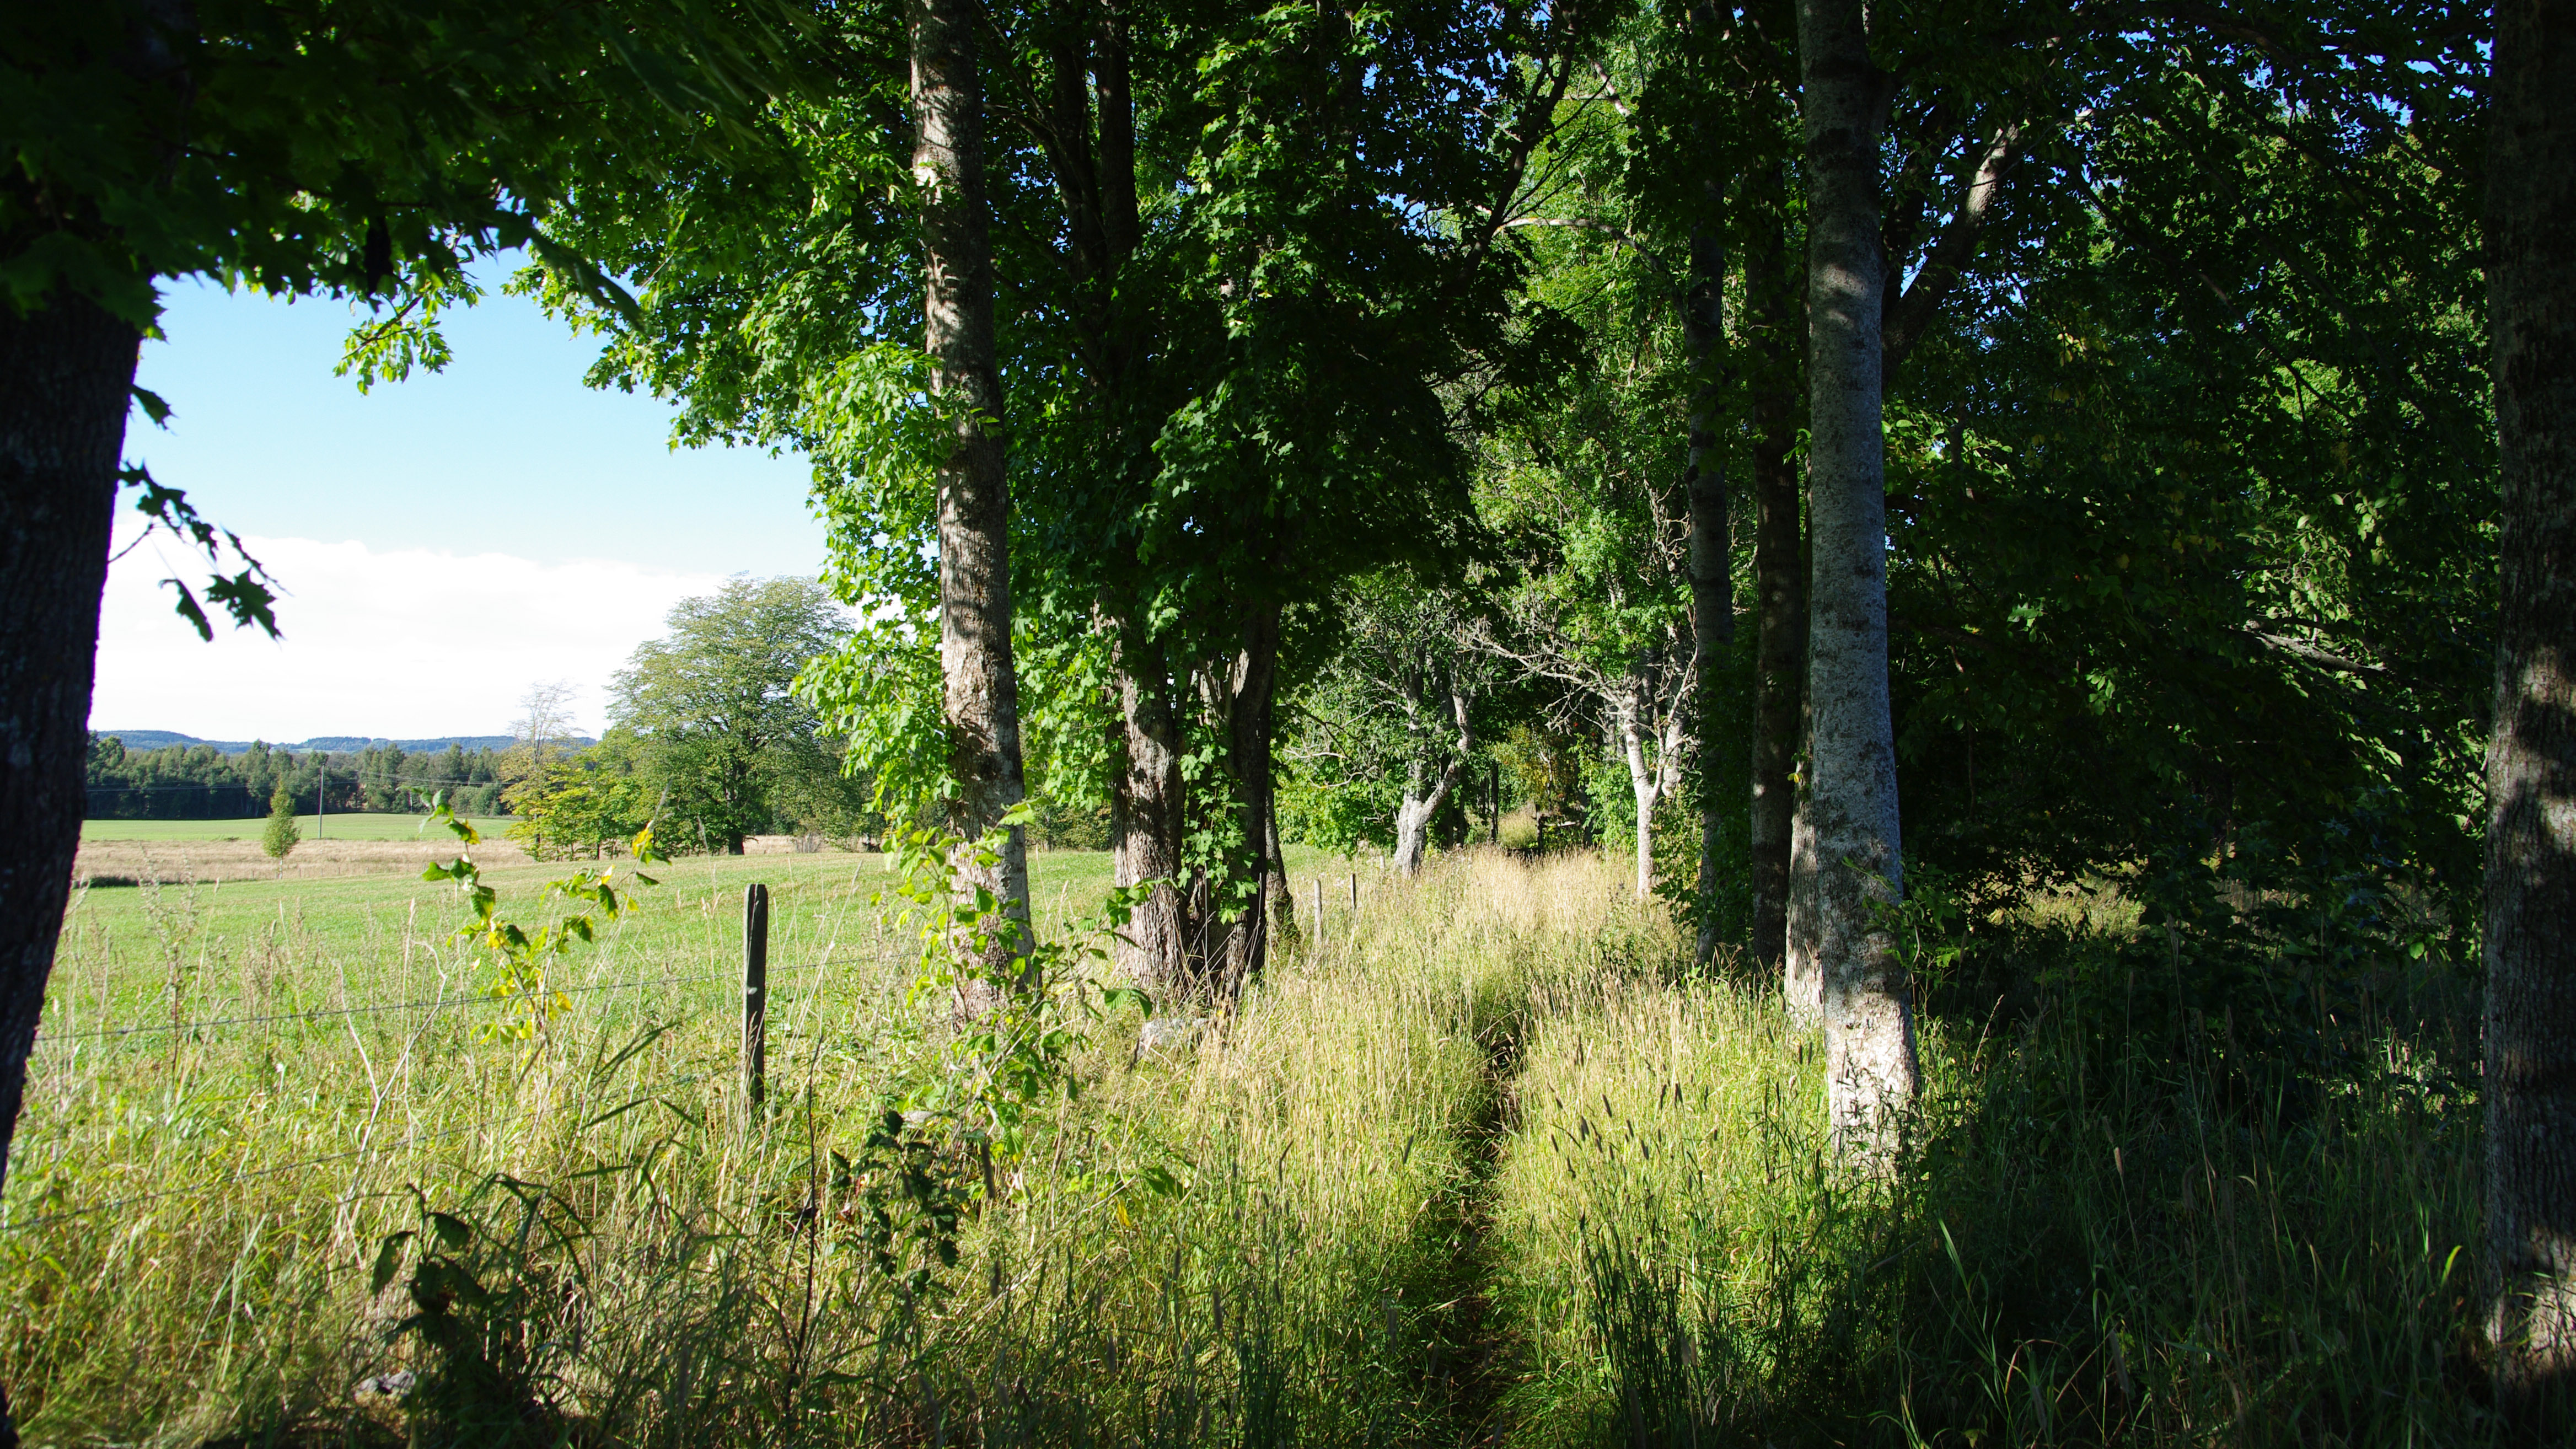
{"x": 2531, "y": 756}
{"x": 1847, "y": 834}
{"x": 982, "y": 705}
{"x": 1780, "y": 646}
{"x": 65, "y": 373}
{"x": 1712, "y": 558}
{"x": 1631, "y": 720}
{"x": 1423, "y": 792}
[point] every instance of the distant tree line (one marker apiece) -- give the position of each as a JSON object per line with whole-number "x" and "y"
{"x": 199, "y": 782}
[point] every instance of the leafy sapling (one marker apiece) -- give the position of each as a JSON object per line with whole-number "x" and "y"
{"x": 522, "y": 955}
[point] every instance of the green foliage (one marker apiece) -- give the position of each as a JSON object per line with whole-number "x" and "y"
{"x": 495, "y": 1309}
{"x": 348, "y": 147}
{"x": 2203, "y": 521}
{"x": 329, "y": 146}
{"x": 936, "y": 1148}
{"x": 711, "y": 726}
{"x": 521, "y": 957}
{"x": 278, "y": 838}
{"x": 1210, "y": 421}
{"x": 577, "y": 808}
{"x": 1380, "y": 720}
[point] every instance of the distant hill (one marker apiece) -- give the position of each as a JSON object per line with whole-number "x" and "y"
{"x": 332, "y": 744}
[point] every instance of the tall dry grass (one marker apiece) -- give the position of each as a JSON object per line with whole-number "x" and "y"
{"x": 1488, "y": 1165}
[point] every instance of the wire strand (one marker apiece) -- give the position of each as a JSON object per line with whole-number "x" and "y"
{"x": 378, "y": 1009}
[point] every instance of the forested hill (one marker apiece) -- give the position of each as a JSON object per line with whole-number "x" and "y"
{"x": 337, "y": 744}
{"x": 203, "y": 781}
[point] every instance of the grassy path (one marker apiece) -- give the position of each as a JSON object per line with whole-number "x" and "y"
{"x": 1475, "y": 1360}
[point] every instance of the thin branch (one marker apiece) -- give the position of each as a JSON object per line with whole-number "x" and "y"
{"x": 1579, "y": 223}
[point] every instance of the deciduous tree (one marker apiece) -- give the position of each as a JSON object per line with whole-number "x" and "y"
{"x": 720, "y": 734}
{"x": 2531, "y": 758}
{"x": 330, "y": 145}
{"x": 1848, "y": 837}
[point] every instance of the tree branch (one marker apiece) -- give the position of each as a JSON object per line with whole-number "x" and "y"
{"x": 1949, "y": 257}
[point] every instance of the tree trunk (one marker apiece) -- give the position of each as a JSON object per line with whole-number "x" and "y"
{"x": 1780, "y": 645}
{"x": 2531, "y": 756}
{"x": 1422, "y": 801}
{"x": 1631, "y": 719}
{"x": 1712, "y": 556}
{"x": 1847, "y": 833}
{"x": 1145, "y": 818}
{"x": 65, "y": 373}
{"x": 1248, "y": 749}
{"x": 1282, "y": 901}
{"x": 1413, "y": 817}
{"x": 982, "y": 703}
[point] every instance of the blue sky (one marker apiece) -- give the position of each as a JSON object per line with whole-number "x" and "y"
{"x": 446, "y": 542}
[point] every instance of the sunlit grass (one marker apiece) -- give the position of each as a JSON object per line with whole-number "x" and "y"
{"x": 1490, "y": 1164}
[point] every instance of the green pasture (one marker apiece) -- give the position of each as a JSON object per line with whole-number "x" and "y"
{"x": 280, "y": 947}
{"x": 327, "y": 827}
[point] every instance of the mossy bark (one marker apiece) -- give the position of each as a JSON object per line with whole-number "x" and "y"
{"x": 982, "y": 707}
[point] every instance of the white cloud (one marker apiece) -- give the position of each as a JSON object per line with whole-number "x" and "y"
{"x": 401, "y": 643}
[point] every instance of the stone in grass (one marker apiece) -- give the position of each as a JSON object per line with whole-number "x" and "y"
{"x": 1170, "y": 1035}
{"x": 385, "y": 1386}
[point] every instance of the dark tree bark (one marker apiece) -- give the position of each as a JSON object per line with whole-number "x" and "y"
{"x": 2531, "y": 757}
{"x": 1248, "y": 735}
{"x": 982, "y": 689}
{"x": 1780, "y": 591}
{"x": 1712, "y": 557}
{"x": 65, "y": 375}
{"x": 1846, "y": 836}
{"x": 1281, "y": 898}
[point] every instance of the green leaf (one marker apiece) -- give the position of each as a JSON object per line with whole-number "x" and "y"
{"x": 388, "y": 1259}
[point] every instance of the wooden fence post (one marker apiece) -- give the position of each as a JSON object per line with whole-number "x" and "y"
{"x": 755, "y": 998}
{"x": 1319, "y": 913}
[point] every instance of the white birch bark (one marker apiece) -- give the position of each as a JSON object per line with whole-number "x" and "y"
{"x": 1847, "y": 840}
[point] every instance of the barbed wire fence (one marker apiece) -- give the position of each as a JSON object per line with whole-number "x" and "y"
{"x": 753, "y": 982}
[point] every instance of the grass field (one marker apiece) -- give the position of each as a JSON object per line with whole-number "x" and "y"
{"x": 1488, "y": 1165}
{"x": 251, "y": 946}
{"x": 327, "y": 827}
